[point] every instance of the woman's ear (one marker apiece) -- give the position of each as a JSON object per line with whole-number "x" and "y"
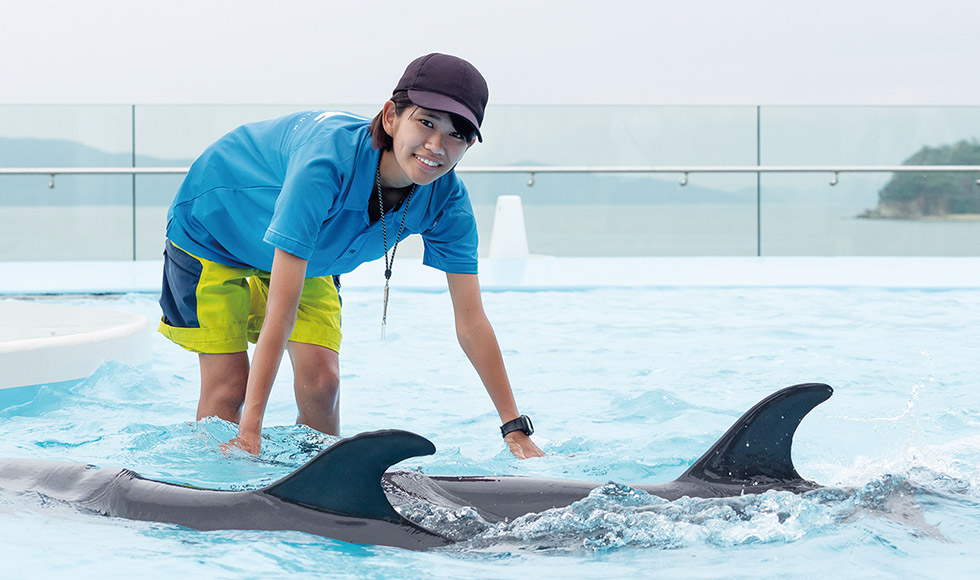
{"x": 389, "y": 117}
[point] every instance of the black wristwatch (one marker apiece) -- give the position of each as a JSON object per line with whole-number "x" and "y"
{"x": 522, "y": 423}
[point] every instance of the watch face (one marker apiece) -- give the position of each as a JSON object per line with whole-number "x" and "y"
{"x": 526, "y": 425}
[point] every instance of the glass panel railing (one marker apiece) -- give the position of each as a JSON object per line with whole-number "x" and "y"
{"x": 567, "y": 213}
{"x": 805, "y": 215}
{"x": 601, "y": 214}
{"x": 87, "y": 217}
{"x": 616, "y": 135}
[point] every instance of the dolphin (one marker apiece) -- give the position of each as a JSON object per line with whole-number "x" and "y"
{"x": 346, "y": 492}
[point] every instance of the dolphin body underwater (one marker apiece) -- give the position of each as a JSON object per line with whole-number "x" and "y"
{"x": 345, "y": 492}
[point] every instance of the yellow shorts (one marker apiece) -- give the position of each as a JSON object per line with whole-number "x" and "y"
{"x": 213, "y": 308}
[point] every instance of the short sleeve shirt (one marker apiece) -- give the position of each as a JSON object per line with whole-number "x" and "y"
{"x": 302, "y": 183}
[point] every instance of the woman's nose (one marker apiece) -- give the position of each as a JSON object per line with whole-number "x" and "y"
{"x": 434, "y": 143}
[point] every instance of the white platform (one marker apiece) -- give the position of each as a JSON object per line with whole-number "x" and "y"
{"x": 42, "y": 344}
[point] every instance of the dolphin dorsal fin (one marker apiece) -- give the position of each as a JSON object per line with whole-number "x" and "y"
{"x": 759, "y": 444}
{"x": 345, "y": 478}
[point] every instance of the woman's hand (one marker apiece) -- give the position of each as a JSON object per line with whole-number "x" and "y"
{"x": 521, "y": 445}
{"x": 249, "y": 444}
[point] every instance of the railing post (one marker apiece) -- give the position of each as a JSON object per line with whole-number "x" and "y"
{"x": 758, "y": 181}
{"x": 133, "y": 133}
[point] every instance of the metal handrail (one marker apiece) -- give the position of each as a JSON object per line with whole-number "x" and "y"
{"x": 724, "y": 169}
{"x": 92, "y": 170}
{"x": 555, "y": 169}
{"x": 836, "y": 170}
{"x": 533, "y": 170}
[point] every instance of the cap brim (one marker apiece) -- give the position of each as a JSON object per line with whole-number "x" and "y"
{"x": 438, "y": 102}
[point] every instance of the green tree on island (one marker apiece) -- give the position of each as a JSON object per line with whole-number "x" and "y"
{"x": 917, "y": 195}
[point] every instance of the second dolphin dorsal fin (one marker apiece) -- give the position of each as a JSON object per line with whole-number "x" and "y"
{"x": 759, "y": 444}
{"x": 345, "y": 478}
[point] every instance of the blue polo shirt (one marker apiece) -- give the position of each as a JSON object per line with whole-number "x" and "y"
{"x": 302, "y": 183}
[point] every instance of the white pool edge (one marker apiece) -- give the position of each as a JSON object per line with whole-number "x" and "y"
{"x": 112, "y": 277}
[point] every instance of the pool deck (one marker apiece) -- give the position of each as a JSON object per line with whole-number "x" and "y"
{"x": 45, "y": 344}
{"x": 52, "y": 278}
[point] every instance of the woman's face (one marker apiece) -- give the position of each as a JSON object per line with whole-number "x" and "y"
{"x": 426, "y": 146}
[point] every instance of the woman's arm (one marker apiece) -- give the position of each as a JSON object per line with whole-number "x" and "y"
{"x": 479, "y": 342}
{"x": 285, "y": 289}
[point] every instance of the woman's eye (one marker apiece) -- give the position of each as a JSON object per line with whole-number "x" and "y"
{"x": 457, "y": 136}
{"x": 427, "y": 123}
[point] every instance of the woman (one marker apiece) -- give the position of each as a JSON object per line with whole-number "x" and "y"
{"x": 272, "y": 213}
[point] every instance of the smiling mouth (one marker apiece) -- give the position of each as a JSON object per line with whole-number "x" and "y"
{"x": 427, "y": 162}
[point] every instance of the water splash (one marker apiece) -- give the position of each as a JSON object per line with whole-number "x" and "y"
{"x": 615, "y": 516}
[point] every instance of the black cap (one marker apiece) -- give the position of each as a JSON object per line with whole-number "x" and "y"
{"x": 446, "y": 83}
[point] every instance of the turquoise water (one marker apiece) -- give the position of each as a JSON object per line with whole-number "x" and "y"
{"x": 625, "y": 385}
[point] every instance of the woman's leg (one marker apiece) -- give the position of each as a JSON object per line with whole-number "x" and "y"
{"x": 205, "y": 309}
{"x": 316, "y": 378}
{"x": 223, "y": 381}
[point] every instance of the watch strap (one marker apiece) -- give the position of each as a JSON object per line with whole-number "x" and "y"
{"x": 522, "y": 423}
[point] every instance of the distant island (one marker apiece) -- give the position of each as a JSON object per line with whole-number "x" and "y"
{"x": 935, "y": 195}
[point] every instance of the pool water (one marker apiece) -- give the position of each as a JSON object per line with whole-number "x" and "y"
{"x": 624, "y": 386}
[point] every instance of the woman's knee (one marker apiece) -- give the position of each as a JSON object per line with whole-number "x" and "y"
{"x": 319, "y": 382}
{"x": 226, "y": 394}
{"x": 316, "y": 371}
{"x": 223, "y": 383}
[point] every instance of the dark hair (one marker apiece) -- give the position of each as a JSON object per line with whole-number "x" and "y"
{"x": 380, "y": 139}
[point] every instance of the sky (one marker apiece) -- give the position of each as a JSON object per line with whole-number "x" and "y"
{"x": 712, "y": 52}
